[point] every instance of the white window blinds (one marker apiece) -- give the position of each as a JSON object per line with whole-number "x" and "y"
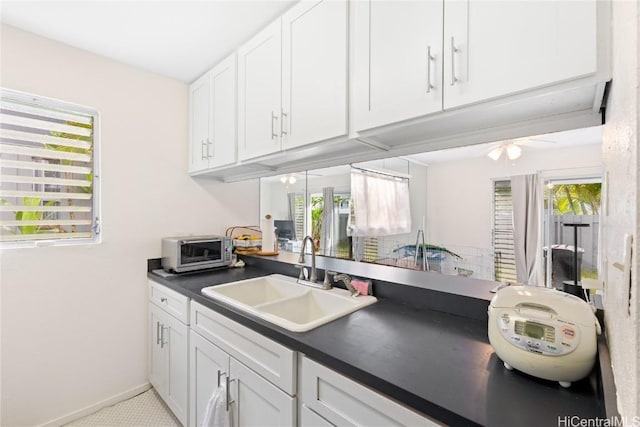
{"x": 47, "y": 161}
{"x": 503, "y": 248}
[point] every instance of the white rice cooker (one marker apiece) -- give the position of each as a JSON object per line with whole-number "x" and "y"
{"x": 543, "y": 332}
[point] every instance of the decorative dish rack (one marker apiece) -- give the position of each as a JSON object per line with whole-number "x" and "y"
{"x": 247, "y": 239}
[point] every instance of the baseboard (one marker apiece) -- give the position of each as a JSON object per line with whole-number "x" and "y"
{"x": 97, "y": 406}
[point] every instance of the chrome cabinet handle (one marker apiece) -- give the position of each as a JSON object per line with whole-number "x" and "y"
{"x": 202, "y": 150}
{"x": 163, "y": 299}
{"x": 157, "y": 333}
{"x": 282, "y": 126}
{"x": 228, "y": 397}
{"x": 162, "y": 343}
{"x": 210, "y": 144}
{"x": 273, "y": 132}
{"x": 228, "y": 400}
{"x": 454, "y": 50}
{"x": 429, "y": 59}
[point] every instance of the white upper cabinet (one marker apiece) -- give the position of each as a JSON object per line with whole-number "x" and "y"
{"x": 259, "y": 93}
{"x": 497, "y": 48}
{"x": 200, "y": 120}
{"x": 397, "y": 60}
{"x": 315, "y": 72}
{"x": 293, "y": 80}
{"x": 415, "y": 58}
{"x": 340, "y": 80}
{"x": 223, "y": 113}
{"x": 213, "y": 117}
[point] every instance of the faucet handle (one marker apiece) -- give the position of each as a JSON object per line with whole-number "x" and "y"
{"x": 304, "y": 273}
{"x": 326, "y": 283}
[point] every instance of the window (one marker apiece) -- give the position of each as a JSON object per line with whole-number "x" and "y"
{"x": 503, "y": 249}
{"x": 298, "y": 214}
{"x": 572, "y": 201}
{"x": 49, "y": 185}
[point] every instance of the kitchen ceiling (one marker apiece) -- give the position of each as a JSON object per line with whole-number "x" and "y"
{"x": 566, "y": 139}
{"x": 176, "y": 39}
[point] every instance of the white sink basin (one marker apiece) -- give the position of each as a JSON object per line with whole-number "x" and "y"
{"x": 280, "y": 300}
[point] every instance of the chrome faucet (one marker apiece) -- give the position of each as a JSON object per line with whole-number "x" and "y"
{"x": 314, "y": 274}
{"x": 344, "y": 278}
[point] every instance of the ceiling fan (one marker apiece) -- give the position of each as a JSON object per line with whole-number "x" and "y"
{"x": 514, "y": 148}
{"x": 292, "y": 178}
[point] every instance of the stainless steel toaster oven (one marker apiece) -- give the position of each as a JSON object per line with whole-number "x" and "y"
{"x": 182, "y": 254}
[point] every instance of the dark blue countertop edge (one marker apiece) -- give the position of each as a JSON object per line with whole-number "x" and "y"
{"x": 392, "y": 293}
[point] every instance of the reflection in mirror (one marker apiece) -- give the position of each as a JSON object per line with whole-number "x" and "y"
{"x": 284, "y": 197}
{"x": 460, "y": 214}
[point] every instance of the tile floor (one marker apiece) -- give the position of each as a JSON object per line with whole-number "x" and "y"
{"x": 145, "y": 409}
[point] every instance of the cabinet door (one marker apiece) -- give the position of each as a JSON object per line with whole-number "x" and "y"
{"x": 259, "y": 93}
{"x": 344, "y": 402}
{"x": 156, "y": 352}
{"x": 308, "y": 418}
{"x": 257, "y": 401}
{"x": 176, "y": 346}
{"x": 495, "y": 48}
{"x": 397, "y": 60}
{"x": 314, "y": 67}
{"x": 223, "y": 144}
{"x": 199, "y": 111}
{"x": 206, "y": 360}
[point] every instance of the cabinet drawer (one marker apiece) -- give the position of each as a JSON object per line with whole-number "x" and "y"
{"x": 273, "y": 361}
{"x": 170, "y": 301}
{"x": 344, "y": 402}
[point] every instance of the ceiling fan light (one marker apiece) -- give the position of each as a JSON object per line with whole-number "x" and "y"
{"x": 513, "y": 151}
{"x": 495, "y": 153}
{"x": 292, "y": 179}
{"x": 284, "y": 179}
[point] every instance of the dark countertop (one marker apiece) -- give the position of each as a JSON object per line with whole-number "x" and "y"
{"x": 438, "y": 363}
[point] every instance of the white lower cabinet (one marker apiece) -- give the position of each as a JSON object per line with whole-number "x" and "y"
{"x": 269, "y": 385}
{"x": 257, "y": 402}
{"x": 254, "y": 400}
{"x": 309, "y": 418}
{"x": 168, "y": 352}
{"x": 205, "y": 361}
{"x": 329, "y": 398}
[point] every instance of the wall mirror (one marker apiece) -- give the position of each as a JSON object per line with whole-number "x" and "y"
{"x": 466, "y": 212}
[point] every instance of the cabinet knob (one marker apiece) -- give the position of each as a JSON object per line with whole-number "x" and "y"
{"x": 163, "y": 300}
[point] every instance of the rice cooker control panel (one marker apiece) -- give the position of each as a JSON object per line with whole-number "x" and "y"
{"x": 538, "y": 331}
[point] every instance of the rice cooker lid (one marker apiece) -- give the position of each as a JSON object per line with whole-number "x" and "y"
{"x": 566, "y": 306}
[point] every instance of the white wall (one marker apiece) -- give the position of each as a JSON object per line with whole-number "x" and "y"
{"x": 459, "y": 193}
{"x": 621, "y": 160}
{"x": 74, "y": 319}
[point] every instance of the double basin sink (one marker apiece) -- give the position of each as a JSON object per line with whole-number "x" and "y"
{"x": 284, "y": 302}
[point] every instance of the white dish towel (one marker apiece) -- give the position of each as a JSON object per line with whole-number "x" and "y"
{"x": 216, "y": 414}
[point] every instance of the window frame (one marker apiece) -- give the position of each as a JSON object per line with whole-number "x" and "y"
{"x": 96, "y": 205}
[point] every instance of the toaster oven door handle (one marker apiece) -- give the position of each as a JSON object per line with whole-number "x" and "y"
{"x": 201, "y": 241}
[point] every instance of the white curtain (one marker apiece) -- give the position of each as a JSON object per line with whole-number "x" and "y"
{"x": 291, "y": 198}
{"x": 526, "y": 197}
{"x": 380, "y": 204}
{"x": 327, "y": 229}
